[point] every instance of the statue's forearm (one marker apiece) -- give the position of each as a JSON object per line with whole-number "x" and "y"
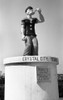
{"x": 22, "y": 32}
{"x": 41, "y": 17}
{"x": 22, "y": 29}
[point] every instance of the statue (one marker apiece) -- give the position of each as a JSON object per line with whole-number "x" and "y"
{"x": 28, "y": 31}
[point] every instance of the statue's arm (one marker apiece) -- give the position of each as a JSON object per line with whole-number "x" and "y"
{"x": 41, "y": 17}
{"x": 22, "y": 32}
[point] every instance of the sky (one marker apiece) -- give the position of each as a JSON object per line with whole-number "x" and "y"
{"x": 49, "y": 33}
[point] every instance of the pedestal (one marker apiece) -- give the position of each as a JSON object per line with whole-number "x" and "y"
{"x": 31, "y": 78}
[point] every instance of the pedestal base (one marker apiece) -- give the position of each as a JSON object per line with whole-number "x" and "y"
{"x": 27, "y": 79}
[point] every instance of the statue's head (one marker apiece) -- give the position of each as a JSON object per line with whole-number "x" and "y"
{"x": 29, "y": 10}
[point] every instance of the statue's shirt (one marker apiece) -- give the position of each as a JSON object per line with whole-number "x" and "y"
{"x": 29, "y": 26}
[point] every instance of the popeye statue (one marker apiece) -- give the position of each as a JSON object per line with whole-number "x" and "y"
{"x": 28, "y": 31}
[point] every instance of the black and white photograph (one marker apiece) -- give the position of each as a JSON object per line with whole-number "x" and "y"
{"x": 31, "y": 50}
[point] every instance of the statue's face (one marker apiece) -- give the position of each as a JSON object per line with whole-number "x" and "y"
{"x": 30, "y": 12}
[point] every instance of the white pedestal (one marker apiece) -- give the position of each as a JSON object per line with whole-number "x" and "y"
{"x": 31, "y": 78}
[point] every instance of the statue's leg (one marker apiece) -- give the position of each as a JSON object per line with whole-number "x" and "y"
{"x": 35, "y": 46}
{"x": 28, "y": 45}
